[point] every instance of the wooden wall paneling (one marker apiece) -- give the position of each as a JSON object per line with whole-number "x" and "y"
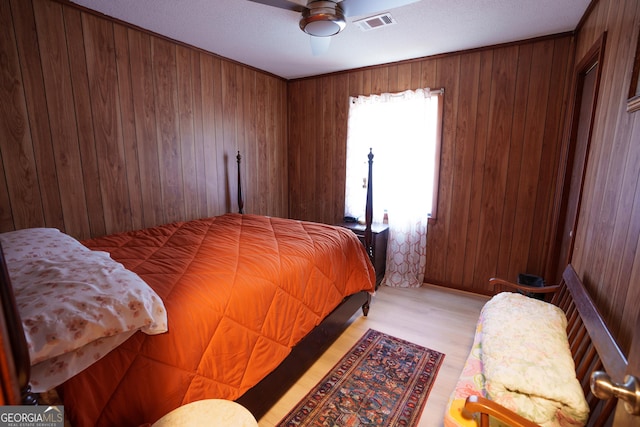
{"x": 590, "y": 213}
{"x": 128, "y": 124}
{"x": 441, "y": 230}
{"x": 379, "y": 80}
{"x": 629, "y": 296}
{"x": 473, "y": 241}
{"x": 467, "y": 111}
{"x": 608, "y": 158}
{"x": 308, "y": 157}
{"x": 496, "y": 162}
{"x": 262, "y": 165}
{"x": 209, "y": 127}
{"x": 367, "y": 82}
{"x": 520, "y": 176}
{"x": 281, "y": 142}
{"x": 186, "y": 131}
{"x": 39, "y": 203}
{"x": 62, "y": 115}
{"x": 275, "y": 194}
{"x": 555, "y": 160}
{"x": 262, "y": 142}
{"x": 623, "y": 228}
{"x": 356, "y": 84}
{"x": 242, "y": 121}
{"x": 6, "y": 219}
{"x": 144, "y": 110}
{"x": 323, "y": 155}
{"x": 217, "y": 156}
{"x": 23, "y": 205}
{"x": 524, "y": 231}
{"x": 416, "y": 75}
{"x": 249, "y": 159}
{"x": 105, "y": 108}
{"x": 559, "y": 89}
{"x": 303, "y": 167}
{"x": 272, "y": 171}
{"x": 229, "y": 142}
{"x": 481, "y": 183}
{"x": 198, "y": 136}
{"x": 339, "y": 152}
{"x": 428, "y": 72}
{"x": 294, "y": 112}
{"x": 307, "y": 165}
{"x": 627, "y": 292}
{"x": 392, "y": 79}
{"x": 617, "y": 204}
{"x": 114, "y": 128}
{"x": 84, "y": 119}
{"x": 283, "y": 138}
{"x": 605, "y": 194}
{"x": 404, "y": 77}
{"x": 169, "y": 151}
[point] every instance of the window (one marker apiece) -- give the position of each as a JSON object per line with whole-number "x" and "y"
{"x": 403, "y": 130}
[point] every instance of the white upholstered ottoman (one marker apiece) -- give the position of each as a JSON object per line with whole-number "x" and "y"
{"x": 208, "y": 412}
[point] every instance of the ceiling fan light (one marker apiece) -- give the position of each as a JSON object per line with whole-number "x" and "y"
{"x": 323, "y": 20}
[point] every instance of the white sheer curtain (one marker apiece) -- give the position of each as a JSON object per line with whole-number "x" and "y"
{"x": 402, "y": 130}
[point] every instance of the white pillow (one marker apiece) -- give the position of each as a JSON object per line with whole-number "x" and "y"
{"x": 69, "y": 296}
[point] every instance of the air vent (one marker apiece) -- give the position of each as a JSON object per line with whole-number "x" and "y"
{"x": 375, "y": 22}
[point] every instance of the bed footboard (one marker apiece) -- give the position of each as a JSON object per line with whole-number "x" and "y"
{"x": 266, "y": 393}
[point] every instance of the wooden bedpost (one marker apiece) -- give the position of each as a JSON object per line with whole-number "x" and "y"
{"x": 368, "y": 214}
{"x": 240, "y": 200}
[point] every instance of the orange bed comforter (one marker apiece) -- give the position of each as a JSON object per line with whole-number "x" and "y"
{"x": 240, "y": 291}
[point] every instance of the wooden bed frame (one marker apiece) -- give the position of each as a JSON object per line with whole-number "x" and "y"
{"x": 592, "y": 346}
{"x": 15, "y": 364}
{"x": 266, "y": 393}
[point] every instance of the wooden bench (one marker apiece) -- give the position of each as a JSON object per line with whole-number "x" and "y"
{"x": 592, "y": 346}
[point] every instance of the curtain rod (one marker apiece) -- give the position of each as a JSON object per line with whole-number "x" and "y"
{"x": 432, "y": 91}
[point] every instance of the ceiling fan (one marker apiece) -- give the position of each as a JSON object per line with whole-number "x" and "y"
{"x": 322, "y": 19}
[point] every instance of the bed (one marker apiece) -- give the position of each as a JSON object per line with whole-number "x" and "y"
{"x": 223, "y": 301}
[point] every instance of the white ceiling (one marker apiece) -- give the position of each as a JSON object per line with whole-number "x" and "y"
{"x": 269, "y": 38}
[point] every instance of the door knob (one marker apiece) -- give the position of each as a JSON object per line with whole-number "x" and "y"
{"x": 603, "y": 388}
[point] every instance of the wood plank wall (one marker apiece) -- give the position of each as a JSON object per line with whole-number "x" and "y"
{"x": 606, "y": 252}
{"x": 502, "y": 132}
{"x": 106, "y": 128}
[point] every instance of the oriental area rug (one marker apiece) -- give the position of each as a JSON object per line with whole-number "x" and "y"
{"x": 381, "y": 381}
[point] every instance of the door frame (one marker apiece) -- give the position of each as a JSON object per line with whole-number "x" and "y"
{"x": 556, "y": 261}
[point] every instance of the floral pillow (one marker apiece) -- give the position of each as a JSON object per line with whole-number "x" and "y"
{"x": 69, "y": 296}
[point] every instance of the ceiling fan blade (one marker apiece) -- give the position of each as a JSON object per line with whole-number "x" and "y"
{"x": 319, "y": 45}
{"x": 367, "y": 7}
{"x": 282, "y": 4}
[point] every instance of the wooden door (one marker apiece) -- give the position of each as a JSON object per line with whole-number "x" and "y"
{"x": 622, "y": 417}
{"x": 587, "y": 82}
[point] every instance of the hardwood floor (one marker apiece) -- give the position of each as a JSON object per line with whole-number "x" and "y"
{"x": 435, "y": 317}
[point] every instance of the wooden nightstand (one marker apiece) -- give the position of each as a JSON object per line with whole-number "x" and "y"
{"x": 380, "y": 234}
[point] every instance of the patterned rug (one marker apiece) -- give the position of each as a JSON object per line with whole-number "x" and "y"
{"x": 381, "y": 381}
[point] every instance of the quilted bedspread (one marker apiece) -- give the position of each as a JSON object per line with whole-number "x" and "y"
{"x": 521, "y": 359}
{"x": 240, "y": 291}
{"x": 527, "y": 361}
